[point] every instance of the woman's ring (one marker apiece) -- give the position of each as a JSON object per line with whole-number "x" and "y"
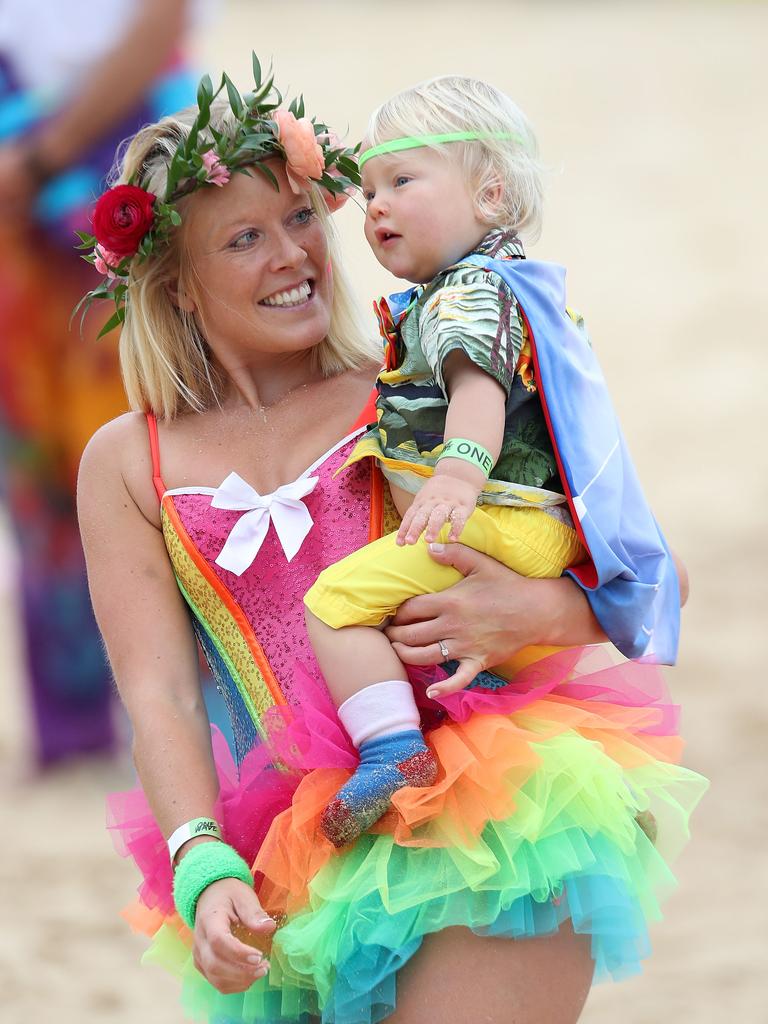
{"x": 443, "y": 650}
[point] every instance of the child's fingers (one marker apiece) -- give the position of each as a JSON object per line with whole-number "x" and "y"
{"x": 417, "y": 524}
{"x": 405, "y": 525}
{"x": 458, "y": 520}
{"x": 437, "y": 518}
{"x": 462, "y": 677}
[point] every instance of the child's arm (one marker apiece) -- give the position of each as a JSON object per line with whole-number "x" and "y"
{"x": 476, "y": 412}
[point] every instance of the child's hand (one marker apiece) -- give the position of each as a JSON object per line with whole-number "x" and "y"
{"x": 442, "y": 499}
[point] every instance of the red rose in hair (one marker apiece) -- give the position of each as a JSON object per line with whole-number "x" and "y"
{"x": 122, "y": 217}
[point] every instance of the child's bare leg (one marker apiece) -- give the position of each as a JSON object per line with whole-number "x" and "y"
{"x": 352, "y": 657}
{"x": 376, "y": 706}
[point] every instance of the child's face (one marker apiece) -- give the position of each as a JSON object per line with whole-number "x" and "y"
{"x": 420, "y": 217}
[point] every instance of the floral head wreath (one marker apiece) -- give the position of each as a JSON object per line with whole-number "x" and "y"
{"x": 129, "y": 222}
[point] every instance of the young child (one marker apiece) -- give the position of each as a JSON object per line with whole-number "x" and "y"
{"x": 450, "y": 176}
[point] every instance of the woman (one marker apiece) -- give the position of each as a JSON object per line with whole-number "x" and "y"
{"x": 239, "y": 337}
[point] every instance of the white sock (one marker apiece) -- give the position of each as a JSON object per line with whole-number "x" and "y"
{"x": 379, "y": 710}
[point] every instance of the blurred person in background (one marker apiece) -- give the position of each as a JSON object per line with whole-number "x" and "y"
{"x": 75, "y": 79}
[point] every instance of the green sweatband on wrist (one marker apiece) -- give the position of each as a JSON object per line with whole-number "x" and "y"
{"x": 469, "y": 451}
{"x": 199, "y": 868}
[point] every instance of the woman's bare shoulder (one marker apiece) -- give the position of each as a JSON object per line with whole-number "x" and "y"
{"x": 124, "y": 429}
{"x": 117, "y": 445}
{"x": 117, "y": 459}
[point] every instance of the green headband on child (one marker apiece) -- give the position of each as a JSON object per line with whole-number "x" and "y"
{"x": 417, "y": 141}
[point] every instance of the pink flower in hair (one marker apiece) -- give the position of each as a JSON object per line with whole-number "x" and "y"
{"x": 105, "y": 261}
{"x": 217, "y": 173}
{"x": 303, "y": 154}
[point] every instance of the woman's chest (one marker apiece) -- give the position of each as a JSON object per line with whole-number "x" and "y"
{"x": 304, "y": 513}
{"x": 266, "y": 448}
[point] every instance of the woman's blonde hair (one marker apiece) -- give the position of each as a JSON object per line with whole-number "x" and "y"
{"x": 166, "y": 363}
{"x": 453, "y": 103}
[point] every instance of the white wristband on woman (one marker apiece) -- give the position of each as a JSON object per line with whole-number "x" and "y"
{"x": 191, "y": 830}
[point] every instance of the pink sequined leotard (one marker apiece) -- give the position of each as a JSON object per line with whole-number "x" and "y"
{"x": 250, "y": 621}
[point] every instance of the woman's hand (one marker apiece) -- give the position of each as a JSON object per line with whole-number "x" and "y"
{"x": 490, "y": 615}
{"x": 232, "y": 933}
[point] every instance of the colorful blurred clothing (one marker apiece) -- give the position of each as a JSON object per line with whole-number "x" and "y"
{"x": 57, "y": 388}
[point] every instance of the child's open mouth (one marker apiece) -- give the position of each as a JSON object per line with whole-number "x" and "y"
{"x": 385, "y": 237}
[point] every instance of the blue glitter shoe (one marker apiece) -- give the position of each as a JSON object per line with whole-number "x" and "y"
{"x": 386, "y": 764}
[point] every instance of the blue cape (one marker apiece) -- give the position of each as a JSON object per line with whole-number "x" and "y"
{"x": 630, "y": 580}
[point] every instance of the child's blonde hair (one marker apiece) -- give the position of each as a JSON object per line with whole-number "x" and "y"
{"x": 166, "y": 363}
{"x": 453, "y": 103}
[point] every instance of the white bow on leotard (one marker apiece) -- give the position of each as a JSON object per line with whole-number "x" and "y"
{"x": 284, "y": 507}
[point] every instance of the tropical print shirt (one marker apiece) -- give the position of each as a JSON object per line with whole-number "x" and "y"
{"x": 468, "y": 308}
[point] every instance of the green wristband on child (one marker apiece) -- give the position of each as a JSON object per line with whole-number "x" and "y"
{"x": 469, "y": 451}
{"x": 200, "y": 867}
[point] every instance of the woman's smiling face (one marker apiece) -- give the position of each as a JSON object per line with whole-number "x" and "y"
{"x": 260, "y": 266}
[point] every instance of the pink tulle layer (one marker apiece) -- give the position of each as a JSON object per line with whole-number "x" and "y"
{"x": 308, "y": 735}
{"x": 577, "y": 673}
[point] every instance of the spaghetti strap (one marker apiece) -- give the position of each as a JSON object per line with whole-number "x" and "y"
{"x": 154, "y": 447}
{"x": 367, "y": 413}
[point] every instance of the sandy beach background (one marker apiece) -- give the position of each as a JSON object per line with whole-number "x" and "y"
{"x": 651, "y": 117}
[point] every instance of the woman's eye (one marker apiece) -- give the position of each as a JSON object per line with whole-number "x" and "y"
{"x": 243, "y": 241}
{"x": 304, "y": 216}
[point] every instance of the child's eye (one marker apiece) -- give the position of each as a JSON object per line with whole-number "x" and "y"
{"x": 401, "y": 179}
{"x": 243, "y": 241}
{"x": 305, "y": 215}
{"x": 369, "y": 196}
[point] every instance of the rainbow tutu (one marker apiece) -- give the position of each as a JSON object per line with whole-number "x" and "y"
{"x": 560, "y": 797}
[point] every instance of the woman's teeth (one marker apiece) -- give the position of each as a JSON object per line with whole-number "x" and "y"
{"x": 294, "y": 297}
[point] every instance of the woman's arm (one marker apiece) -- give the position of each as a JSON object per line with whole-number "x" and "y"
{"x": 115, "y": 84}
{"x": 147, "y": 633}
{"x": 682, "y": 579}
{"x": 494, "y": 612}
{"x": 153, "y": 654}
{"x": 111, "y": 88}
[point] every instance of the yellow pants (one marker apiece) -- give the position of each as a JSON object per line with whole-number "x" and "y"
{"x": 368, "y": 586}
